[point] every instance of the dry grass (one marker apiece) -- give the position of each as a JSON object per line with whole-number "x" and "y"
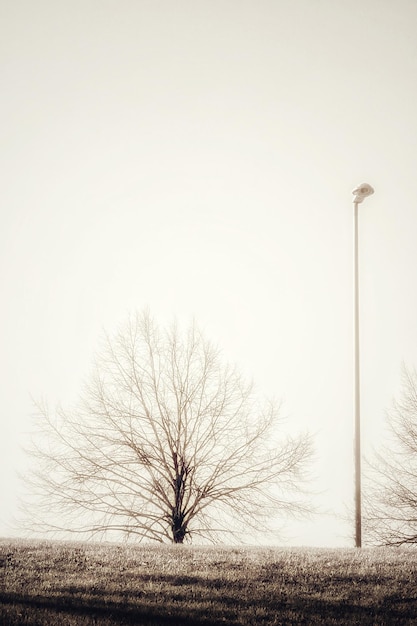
{"x": 106, "y": 584}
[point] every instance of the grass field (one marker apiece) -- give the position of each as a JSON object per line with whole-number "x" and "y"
{"x": 54, "y": 583}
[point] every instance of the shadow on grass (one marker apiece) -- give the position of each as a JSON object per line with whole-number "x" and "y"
{"x": 98, "y": 608}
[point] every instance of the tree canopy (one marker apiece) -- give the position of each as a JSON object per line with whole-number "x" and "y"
{"x": 167, "y": 443}
{"x": 391, "y": 502}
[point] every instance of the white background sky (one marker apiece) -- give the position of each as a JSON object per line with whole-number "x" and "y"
{"x": 198, "y": 157}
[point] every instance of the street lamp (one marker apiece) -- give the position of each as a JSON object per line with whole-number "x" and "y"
{"x": 360, "y": 193}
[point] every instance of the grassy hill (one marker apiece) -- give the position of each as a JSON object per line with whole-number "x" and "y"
{"x": 50, "y": 583}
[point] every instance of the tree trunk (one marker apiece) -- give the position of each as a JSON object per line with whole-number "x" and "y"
{"x": 179, "y": 529}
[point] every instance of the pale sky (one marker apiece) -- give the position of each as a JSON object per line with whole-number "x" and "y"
{"x": 198, "y": 157}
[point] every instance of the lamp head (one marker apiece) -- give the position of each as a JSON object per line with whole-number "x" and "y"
{"x": 362, "y": 192}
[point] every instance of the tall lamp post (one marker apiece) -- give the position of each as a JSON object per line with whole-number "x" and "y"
{"x": 360, "y": 193}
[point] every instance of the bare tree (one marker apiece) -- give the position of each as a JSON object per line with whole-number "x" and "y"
{"x": 391, "y": 503}
{"x": 167, "y": 443}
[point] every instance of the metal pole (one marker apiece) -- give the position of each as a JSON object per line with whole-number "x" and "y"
{"x": 357, "y": 441}
{"x": 360, "y": 193}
